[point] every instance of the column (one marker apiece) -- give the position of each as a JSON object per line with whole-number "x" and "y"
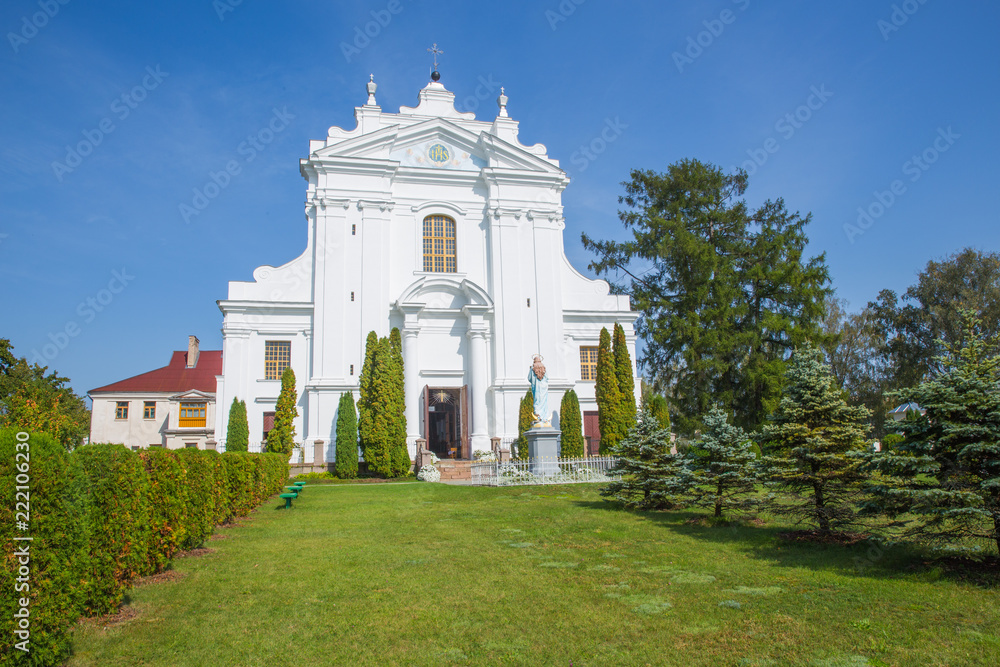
{"x": 411, "y": 372}
{"x": 478, "y": 374}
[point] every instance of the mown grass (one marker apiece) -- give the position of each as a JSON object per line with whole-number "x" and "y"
{"x": 428, "y": 574}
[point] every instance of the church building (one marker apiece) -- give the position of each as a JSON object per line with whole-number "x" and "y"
{"x": 448, "y": 228}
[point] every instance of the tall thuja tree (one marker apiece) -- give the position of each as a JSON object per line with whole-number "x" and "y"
{"x": 609, "y": 397}
{"x": 238, "y": 431}
{"x": 651, "y": 477}
{"x": 626, "y": 380}
{"x": 526, "y": 409}
{"x": 385, "y": 450}
{"x": 400, "y": 454}
{"x": 347, "y": 438}
{"x": 571, "y": 425}
{"x": 724, "y": 466}
{"x": 281, "y": 438}
{"x": 365, "y": 393}
{"x": 943, "y": 479}
{"x": 660, "y": 409}
{"x": 814, "y": 439}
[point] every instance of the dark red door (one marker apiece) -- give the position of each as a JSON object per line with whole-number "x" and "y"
{"x": 592, "y": 431}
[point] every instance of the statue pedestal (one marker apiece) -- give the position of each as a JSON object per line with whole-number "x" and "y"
{"x": 543, "y": 450}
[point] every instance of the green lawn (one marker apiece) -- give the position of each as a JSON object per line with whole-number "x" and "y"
{"x": 428, "y": 574}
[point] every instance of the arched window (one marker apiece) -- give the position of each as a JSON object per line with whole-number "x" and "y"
{"x": 439, "y": 244}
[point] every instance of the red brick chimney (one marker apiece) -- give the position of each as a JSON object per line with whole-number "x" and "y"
{"x": 192, "y": 358}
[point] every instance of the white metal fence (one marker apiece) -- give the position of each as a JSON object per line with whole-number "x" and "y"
{"x": 544, "y": 471}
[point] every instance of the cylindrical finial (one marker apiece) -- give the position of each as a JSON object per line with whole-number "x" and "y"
{"x": 371, "y": 91}
{"x": 502, "y": 103}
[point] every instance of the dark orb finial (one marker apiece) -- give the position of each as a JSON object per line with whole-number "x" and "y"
{"x": 435, "y": 75}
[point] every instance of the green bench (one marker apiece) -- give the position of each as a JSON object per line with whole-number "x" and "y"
{"x": 288, "y": 499}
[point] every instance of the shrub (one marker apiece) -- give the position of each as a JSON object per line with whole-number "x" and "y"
{"x": 222, "y": 504}
{"x": 571, "y": 425}
{"x": 59, "y": 546}
{"x": 199, "y": 515}
{"x": 118, "y": 514}
{"x": 238, "y": 432}
{"x": 167, "y": 506}
{"x": 347, "y": 438}
{"x": 524, "y": 420}
{"x": 239, "y": 482}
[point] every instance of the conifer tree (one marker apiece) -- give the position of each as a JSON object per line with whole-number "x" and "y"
{"x": 347, "y": 438}
{"x": 660, "y": 409}
{"x": 524, "y": 422}
{"x": 813, "y": 439}
{"x": 626, "y": 380}
{"x": 401, "y": 463}
{"x": 652, "y": 477}
{"x": 609, "y": 398}
{"x": 724, "y": 466}
{"x": 281, "y": 439}
{"x": 365, "y": 394}
{"x": 943, "y": 479}
{"x": 571, "y": 425}
{"x": 238, "y": 431}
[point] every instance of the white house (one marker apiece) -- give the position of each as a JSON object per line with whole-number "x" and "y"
{"x": 448, "y": 228}
{"x": 171, "y": 407}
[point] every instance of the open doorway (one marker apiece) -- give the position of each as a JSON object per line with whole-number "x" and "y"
{"x": 445, "y": 422}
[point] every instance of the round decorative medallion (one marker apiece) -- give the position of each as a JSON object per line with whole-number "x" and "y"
{"x": 438, "y": 153}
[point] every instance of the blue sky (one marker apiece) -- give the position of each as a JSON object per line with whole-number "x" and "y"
{"x": 162, "y": 95}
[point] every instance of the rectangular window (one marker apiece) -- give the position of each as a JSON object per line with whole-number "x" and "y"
{"x": 149, "y": 410}
{"x": 439, "y": 244}
{"x": 588, "y": 363}
{"x": 192, "y": 415}
{"x": 277, "y": 357}
{"x": 268, "y": 423}
{"x": 121, "y": 410}
{"x": 191, "y": 445}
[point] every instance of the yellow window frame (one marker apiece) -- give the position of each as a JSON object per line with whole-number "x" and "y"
{"x": 440, "y": 249}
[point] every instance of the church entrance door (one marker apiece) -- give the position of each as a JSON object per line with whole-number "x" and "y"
{"x": 446, "y": 422}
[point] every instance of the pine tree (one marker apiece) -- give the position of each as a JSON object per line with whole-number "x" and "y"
{"x": 813, "y": 438}
{"x": 238, "y": 431}
{"x": 571, "y": 425}
{"x": 652, "y": 477}
{"x": 626, "y": 381}
{"x": 943, "y": 479}
{"x": 365, "y": 394}
{"x": 347, "y": 438}
{"x": 401, "y": 463}
{"x": 281, "y": 438}
{"x": 658, "y": 406}
{"x": 724, "y": 465}
{"x": 609, "y": 398}
{"x": 524, "y": 422}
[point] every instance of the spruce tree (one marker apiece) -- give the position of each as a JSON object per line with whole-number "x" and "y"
{"x": 524, "y": 422}
{"x": 365, "y": 393}
{"x": 724, "y": 466}
{"x": 571, "y": 425}
{"x": 238, "y": 431}
{"x": 609, "y": 398}
{"x": 281, "y": 439}
{"x": 651, "y": 477}
{"x": 347, "y": 438}
{"x": 943, "y": 480}
{"x": 813, "y": 439}
{"x": 401, "y": 463}
{"x": 626, "y": 380}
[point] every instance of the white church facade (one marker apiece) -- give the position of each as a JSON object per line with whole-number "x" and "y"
{"x": 448, "y": 228}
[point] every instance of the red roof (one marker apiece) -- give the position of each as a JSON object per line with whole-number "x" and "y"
{"x": 176, "y": 377}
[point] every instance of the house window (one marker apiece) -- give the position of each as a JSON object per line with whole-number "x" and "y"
{"x": 149, "y": 410}
{"x": 439, "y": 244}
{"x": 268, "y": 423}
{"x": 121, "y": 410}
{"x": 191, "y": 445}
{"x": 277, "y": 357}
{"x": 192, "y": 415}
{"x": 588, "y": 363}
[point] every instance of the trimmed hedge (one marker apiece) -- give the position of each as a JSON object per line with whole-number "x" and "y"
{"x": 223, "y": 506}
{"x": 168, "y": 506}
{"x": 239, "y": 477}
{"x": 119, "y": 516}
{"x": 59, "y": 557}
{"x": 199, "y": 519}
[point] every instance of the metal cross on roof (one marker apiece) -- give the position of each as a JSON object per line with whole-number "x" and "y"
{"x": 435, "y": 50}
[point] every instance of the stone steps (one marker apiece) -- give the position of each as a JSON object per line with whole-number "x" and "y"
{"x": 455, "y": 470}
